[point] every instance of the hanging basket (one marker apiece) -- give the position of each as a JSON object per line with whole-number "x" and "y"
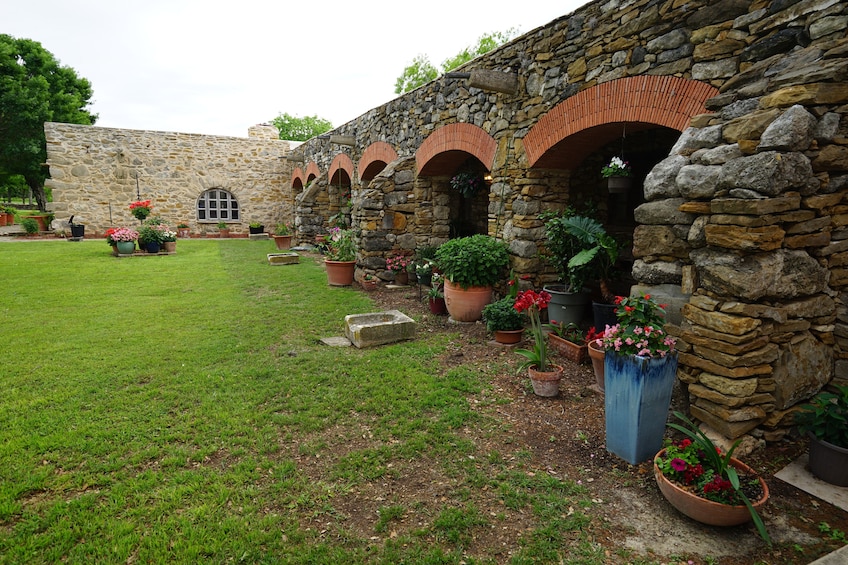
{"x": 617, "y": 185}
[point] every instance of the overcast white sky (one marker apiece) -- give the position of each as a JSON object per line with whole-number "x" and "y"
{"x": 217, "y": 67}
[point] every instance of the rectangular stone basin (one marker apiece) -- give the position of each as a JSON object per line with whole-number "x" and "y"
{"x": 289, "y": 258}
{"x": 378, "y": 328}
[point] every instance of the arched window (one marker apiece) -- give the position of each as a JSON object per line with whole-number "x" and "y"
{"x": 217, "y": 205}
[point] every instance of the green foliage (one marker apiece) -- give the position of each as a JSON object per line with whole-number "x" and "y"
{"x": 35, "y": 88}
{"x": 502, "y": 316}
{"x": 282, "y": 229}
{"x": 294, "y": 128}
{"x": 416, "y": 74}
{"x": 485, "y": 43}
{"x": 826, "y": 417}
{"x": 421, "y": 71}
{"x": 477, "y": 260}
{"x": 30, "y": 226}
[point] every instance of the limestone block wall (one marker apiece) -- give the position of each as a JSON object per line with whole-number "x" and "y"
{"x": 97, "y": 172}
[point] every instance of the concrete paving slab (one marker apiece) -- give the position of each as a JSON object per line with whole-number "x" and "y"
{"x": 798, "y": 475}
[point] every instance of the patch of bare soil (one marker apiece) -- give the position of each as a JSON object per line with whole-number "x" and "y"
{"x": 566, "y": 437}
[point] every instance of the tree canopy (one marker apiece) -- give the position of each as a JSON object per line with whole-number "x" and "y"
{"x": 421, "y": 71}
{"x": 35, "y": 88}
{"x": 293, "y": 128}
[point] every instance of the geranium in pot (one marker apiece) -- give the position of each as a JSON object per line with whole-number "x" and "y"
{"x": 825, "y": 421}
{"x": 141, "y": 209}
{"x": 124, "y": 239}
{"x": 471, "y": 266}
{"x": 707, "y": 485}
{"x": 640, "y": 366}
{"x": 398, "y": 264}
{"x": 544, "y": 376}
{"x": 340, "y": 259}
{"x": 504, "y": 322}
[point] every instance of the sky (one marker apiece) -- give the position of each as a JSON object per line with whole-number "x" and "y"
{"x": 213, "y": 67}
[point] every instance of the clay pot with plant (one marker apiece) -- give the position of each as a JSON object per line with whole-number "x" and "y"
{"x": 471, "y": 266}
{"x": 503, "y": 321}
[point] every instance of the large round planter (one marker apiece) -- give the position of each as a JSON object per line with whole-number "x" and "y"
{"x": 596, "y": 354}
{"x": 637, "y": 394}
{"x": 283, "y": 241}
{"x": 466, "y": 304}
{"x": 566, "y": 307}
{"x": 708, "y": 511}
{"x": 509, "y": 337}
{"x": 545, "y": 383}
{"x": 2, "y": 219}
{"x": 828, "y": 462}
{"x": 125, "y": 247}
{"x": 604, "y": 315}
{"x": 42, "y": 222}
{"x": 340, "y": 273}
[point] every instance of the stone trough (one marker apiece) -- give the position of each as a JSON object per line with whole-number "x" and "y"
{"x": 283, "y": 258}
{"x": 378, "y": 328}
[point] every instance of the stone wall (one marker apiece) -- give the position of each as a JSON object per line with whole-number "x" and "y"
{"x": 97, "y": 172}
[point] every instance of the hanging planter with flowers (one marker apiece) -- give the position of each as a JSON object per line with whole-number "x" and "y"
{"x": 618, "y": 174}
{"x": 140, "y": 209}
{"x": 468, "y": 184}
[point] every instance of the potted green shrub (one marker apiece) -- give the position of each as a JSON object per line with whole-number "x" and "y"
{"x": 504, "y": 322}
{"x": 471, "y": 266}
{"x": 256, "y": 227}
{"x": 282, "y": 236}
{"x": 183, "y": 230}
{"x": 825, "y": 421}
{"x": 30, "y": 226}
{"x": 340, "y": 260}
{"x": 223, "y": 230}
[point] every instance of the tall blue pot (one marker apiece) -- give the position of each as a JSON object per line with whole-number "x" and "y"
{"x": 636, "y": 401}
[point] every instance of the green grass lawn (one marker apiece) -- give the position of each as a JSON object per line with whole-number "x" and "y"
{"x": 180, "y": 409}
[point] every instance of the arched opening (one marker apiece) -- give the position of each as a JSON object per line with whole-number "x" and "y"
{"x": 338, "y": 191}
{"x": 468, "y": 198}
{"x": 217, "y": 205}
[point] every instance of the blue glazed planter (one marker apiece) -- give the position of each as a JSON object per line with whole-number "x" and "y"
{"x": 636, "y": 402}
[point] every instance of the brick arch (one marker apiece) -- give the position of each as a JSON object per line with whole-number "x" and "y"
{"x": 343, "y": 162}
{"x": 374, "y": 159}
{"x": 312, "y": 171}
{"x": 660, "y": 100}
{"x": 297, "y": 175}
{"x": 444, "y": 149}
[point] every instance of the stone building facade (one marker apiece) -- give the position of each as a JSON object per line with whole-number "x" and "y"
{"x": 733, "y": 114}
{"x": 95, "y": 173}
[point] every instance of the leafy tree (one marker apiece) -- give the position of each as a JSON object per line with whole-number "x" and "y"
{"x": 420, "y": 71}
{"x": 485, "y": 43}
{"x": 293, "y": 128}
{"x": 35, "y": 88}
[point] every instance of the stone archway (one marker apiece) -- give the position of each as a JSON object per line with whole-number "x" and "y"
{"x": 374, "y": 159}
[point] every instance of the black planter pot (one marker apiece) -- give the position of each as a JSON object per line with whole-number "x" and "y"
{"x": 77, "y": 230}
{"x": 566, "y": 307}
{"x": 604, "y": 315}
{"x": 828, "y": 462}
{"x": 260, "y": 229}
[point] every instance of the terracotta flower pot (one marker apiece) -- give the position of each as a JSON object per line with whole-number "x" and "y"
{"x": 545, "y": 383}
{"x": 596, "y": 354}
{"x": 466, "y": 304}
{"x": 509, "y": 337}
{"x": 340, "y": 273}
{"x": 570, "y": 350}
{"x": 437, "y": 306}
{"x": 283, "y": 241}
{"x": 708, "y": 511}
